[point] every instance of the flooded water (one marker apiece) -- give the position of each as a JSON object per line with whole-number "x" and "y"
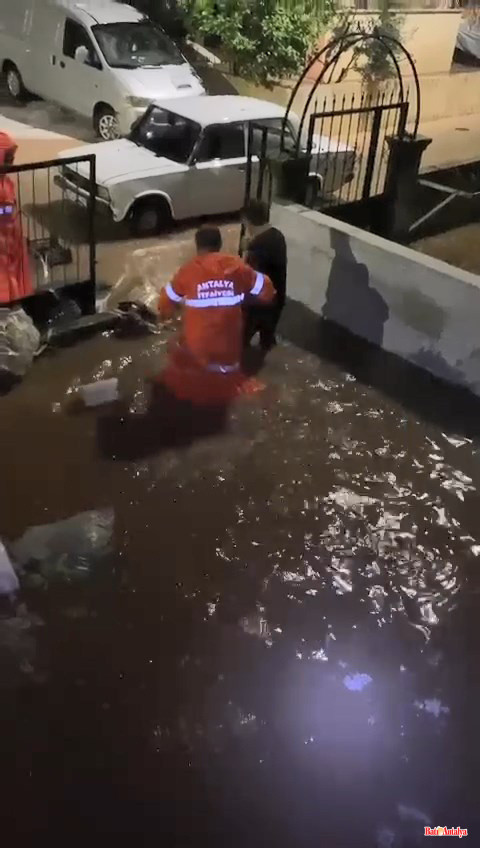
{"x": 270, "y": 635}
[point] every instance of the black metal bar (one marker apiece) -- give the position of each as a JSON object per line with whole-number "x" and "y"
{"x": 319, "y": 151}
{"x": 360, "y": 110}
{"x": 91, "y": 233}
{"x": 355, "y": 147}
{"x": 262, "y": 163}
{"x": 39, "y": 166}
{"x": 347, "y": 145}
{"x": 336, "y": 153}
{"x": 381, "y": 145}
{"x": 19, "y": 211}
{"x": 364, "y": 139}
{"x": 372, "y": 152}
{"x": 34, "y": 202}
{"x": 402, "y": 121}
{"x": 311, "y": 132}
{"x": 77, "y": 244}
{"x": 248, "y": 183}
{"x": 64, "y": 216}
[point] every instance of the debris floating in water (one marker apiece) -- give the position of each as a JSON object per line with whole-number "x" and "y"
{"x": 356, "y": 682}
{"x": 432, "y": 706}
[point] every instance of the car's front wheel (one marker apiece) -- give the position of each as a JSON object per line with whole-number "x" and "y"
{"x": 14, "y": 81}
{"x": 149, "y": 217}
{"x": 106, "y": 123}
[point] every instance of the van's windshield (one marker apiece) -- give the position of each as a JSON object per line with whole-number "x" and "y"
{"x": 166, "y": 134}
{"x": 136, "y": 45}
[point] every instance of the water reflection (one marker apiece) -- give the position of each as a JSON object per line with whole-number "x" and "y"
{"x": 280, "y": 632}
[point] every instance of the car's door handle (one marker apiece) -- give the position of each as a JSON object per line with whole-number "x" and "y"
{"x": 54, "y": 60}
{"x": 62, "y": 64}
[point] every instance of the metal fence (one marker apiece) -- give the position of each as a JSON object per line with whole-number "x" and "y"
{"x": 340, "y": 157}
{"x": 348, "y": 147}
{"x": 54, "y": 221}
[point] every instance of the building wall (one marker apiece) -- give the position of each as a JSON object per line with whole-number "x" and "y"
{"x": 430, "y": 37}
{"x": 442, "y": 95}
{"x": 414, "y": 306}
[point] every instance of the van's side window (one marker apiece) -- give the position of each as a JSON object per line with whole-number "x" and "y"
{"x": 78, "y": 45}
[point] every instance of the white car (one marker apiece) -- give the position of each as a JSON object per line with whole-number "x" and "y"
{"x": 187, "y": 158}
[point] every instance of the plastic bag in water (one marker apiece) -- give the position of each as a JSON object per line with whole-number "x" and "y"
{"x": 67, "y": 549}
{"x": 19, "y": 341}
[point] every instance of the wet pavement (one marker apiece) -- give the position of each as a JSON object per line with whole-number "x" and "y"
{"x": 279, "y": 644}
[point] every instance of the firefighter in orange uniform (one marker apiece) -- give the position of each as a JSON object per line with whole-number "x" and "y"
{"x": 15, "y": 274}
{"x": 204, "y": 363}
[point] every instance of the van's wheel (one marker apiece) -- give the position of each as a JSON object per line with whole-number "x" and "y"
{"x": 14, "y": 81}
{"x": 149, "y": 217}
{"x": 106, "y": 124}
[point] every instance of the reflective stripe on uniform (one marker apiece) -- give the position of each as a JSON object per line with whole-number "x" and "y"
{"x": 223, "y": 369}
{"x": 201, "y": 303}
{"x": 172, "y": 295}
{"x": 258, "y": 285}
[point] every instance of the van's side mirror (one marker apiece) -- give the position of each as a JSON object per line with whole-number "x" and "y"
{"x": 93, "y": 61}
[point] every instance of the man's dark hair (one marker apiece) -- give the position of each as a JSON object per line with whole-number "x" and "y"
{"x": 257, "y": 213}
{"x": 208, "y": 239}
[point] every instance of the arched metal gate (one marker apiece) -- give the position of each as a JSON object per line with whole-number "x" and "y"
{"x": 334, "y": 153}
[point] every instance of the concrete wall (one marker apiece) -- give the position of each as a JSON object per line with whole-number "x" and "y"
{"x": 414, "y": 306}
{"x": 443, "y": 95}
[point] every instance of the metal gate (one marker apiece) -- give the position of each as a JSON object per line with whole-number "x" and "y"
{"x": 350, "y": 162}
{"x": 340, "y": 158}
{"x": 55, "y": 222}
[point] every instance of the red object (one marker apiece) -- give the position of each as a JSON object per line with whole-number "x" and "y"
{"x": 15, "y": 274}
{"x": 188, "y": 380}
{"x": 204, "y": 364}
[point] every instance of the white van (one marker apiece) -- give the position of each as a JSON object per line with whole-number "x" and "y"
{"x": 100, "y": 58}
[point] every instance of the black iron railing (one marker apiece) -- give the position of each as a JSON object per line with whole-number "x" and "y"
{"x": 58, "y": 235}
{"x": 340, "y": 158}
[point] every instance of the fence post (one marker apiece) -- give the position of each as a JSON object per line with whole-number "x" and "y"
{"x": 372, "y": 152}
{"x": 91, "y": 233}
{"x": 401, "y": 183}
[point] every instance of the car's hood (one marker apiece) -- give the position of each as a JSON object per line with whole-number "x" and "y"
{"x": 323, "y": 144}
{"x": 121, "y": 159}
{"x": 160, "y": 83}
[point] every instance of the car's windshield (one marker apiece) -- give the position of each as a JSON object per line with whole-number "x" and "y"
{"x": 166, "y": 134}
{"x": 136, "y": 45}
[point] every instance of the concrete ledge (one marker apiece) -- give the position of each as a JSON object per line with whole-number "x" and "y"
{"x": 412, "y": 305}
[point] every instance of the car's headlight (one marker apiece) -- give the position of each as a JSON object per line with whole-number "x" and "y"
{"x": 103, "y": 193}
{"x": 139, "y": 102}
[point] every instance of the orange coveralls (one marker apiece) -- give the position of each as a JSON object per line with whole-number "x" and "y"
{"x": 204, "y": 364}
{"x": 15, "y": 274}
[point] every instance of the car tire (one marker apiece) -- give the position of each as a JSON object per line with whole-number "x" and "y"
{"x": 106, "y": 123}
{"x": 149, "y": 217}
{"x": 14, "y": 83}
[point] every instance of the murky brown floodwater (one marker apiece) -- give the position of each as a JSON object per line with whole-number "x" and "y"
{"x": 281, "y": 647}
